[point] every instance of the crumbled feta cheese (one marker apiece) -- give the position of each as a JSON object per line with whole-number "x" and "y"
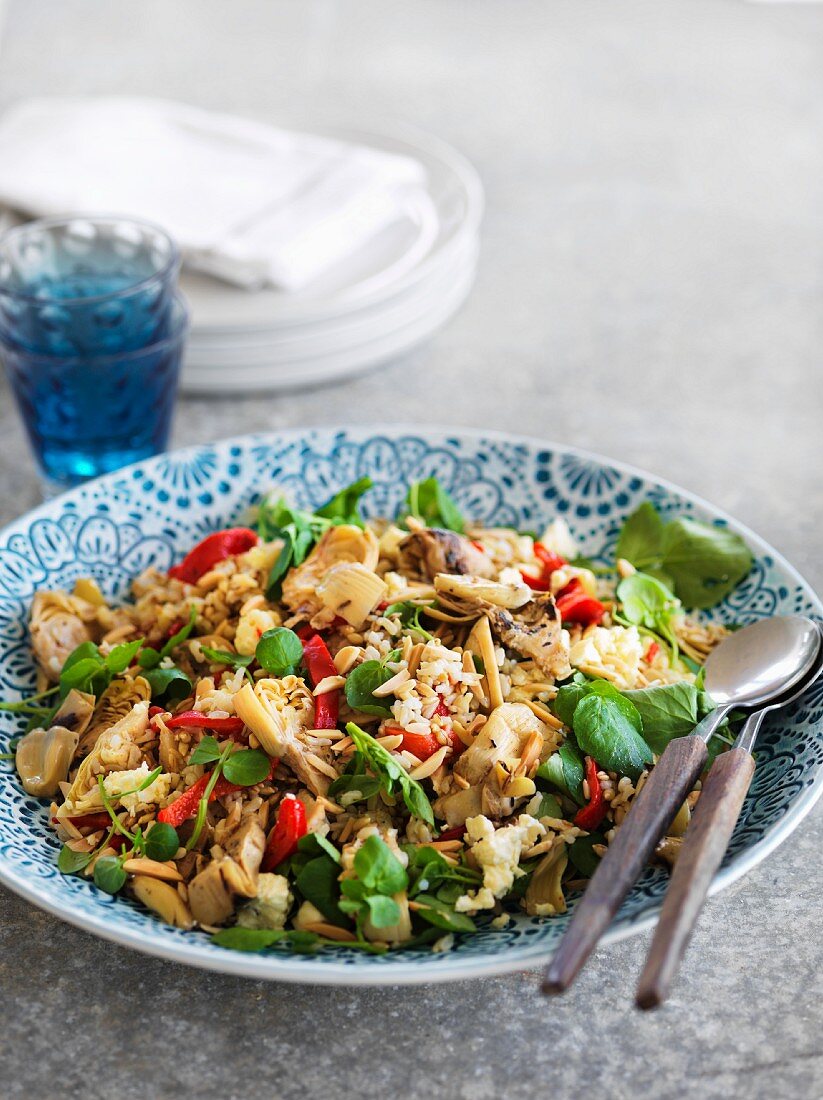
{"x": 613, "y": 652}
{"x": 559, "y": 540}
{"x": 270, "y": 907}
{"x": 251, "y": 627}
{"x": 497, "y": 852}
{"x": 153, "y": 795}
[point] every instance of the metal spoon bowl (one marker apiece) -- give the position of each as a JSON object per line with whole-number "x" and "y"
{"x": 762, "y": 661}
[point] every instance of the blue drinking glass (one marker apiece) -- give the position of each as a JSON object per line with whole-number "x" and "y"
{"x": 87, "y": 415}
{"x": 86, "y": 285}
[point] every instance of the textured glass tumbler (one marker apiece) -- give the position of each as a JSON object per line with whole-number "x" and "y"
{"x": 86, "y": 285}
{"x": 89, "y": 415}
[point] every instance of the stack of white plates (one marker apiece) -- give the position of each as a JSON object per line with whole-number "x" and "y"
{"x": 384, "y": 301}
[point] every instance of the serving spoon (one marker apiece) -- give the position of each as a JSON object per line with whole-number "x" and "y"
{"x": 705, "y": 843}
{"x": 749, "y": 670}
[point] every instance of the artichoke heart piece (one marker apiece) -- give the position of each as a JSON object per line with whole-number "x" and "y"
{"x": 43, "y": 758}
{"x": 544, "y": 896}
{"x": 163, "y": 899}
{"x": 498, "y": 593}
{"x": 351, "y": 591}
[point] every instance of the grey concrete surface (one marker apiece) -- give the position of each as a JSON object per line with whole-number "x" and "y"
{"x": 651, "y": 287}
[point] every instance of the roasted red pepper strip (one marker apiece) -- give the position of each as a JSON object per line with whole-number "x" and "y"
{"x": 539, "y": 584}
{"x": 457, "y": 833}
{"x": 548, "y": 559}
{"x": 421, "y": 745}
{"x": 577, "y": 606}
{"x": 651, "y": 653}
{"x": 186, "y": 805}
{"x": 213, "y": 548}
{"x": 92, "y": 822}
{"x": 289, "y": 827}
{"x": 320, "y": 665}
{"x": 591, "y": 815}
{"x": 200, "y": 721}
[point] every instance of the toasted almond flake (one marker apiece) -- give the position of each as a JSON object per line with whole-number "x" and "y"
{"x": 330, "y": 931}
{"x": 446, "y": 845}
{"x": 321, "y": 765}
{"x": 166, "y": 871}
{"x": 413, "y": 659}
{"x": 428, "y": 767}
{"x": 544, "y": 714}
{"x": 341, "y": 746}
{"x": 329, "y": 683}
{"x": 417, "y": 727}
{"x": 391, "y": 741}
{"x": 461, "y": 782}
{"x": 327, "y": 804}
{"x": 346, "y": 657}
{"x": 491, "y": 673}
{"x": 390, "y": 685}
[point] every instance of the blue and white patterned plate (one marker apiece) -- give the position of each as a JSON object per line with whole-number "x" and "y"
{"x": 153, "y": 512}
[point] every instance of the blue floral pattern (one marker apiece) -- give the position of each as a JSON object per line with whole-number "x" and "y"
{"x": 151, "y": 513}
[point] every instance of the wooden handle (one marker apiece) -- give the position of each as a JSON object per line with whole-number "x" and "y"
{"x": 652, "y": 811}
{"x": 707, "y": 838}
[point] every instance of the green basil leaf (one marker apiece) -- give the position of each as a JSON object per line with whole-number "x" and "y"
{"x": 343, "y": 506}
{"x": 279, "y": 652}
{"x": 168, "y": 683}
{"x": 582, "y": 855}
{"x": 641, "y": 537}
{"x": 549, "y": 807}
{"x": 378, "y": 868}
{"x": 360, "y": 685}
{"x": 148, "y": 657}
{"x": 704, "y": 562}
{"x": 667, "y": 711}
{"x": 109, "y": 874}
{"x": 367, "y": 785}
{"x": 247, "y": 767}
{"x": 247, "y": 939}
{"x": 443, "y": 916}
{"x": 605, "y": 732}
{"x": 70, "y": 862}
{"x": 565, "y": 702}
{"x": 280, "y": 567}
{"x": 162, "y": 842}
{"x": 564, "y": 769}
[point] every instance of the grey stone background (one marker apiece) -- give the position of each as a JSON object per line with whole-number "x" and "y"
{"x": 651, "y": 287}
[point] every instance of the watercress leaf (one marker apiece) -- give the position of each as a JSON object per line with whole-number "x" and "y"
{"x": 162, "y": 842}
{"x": 279, "y": 651}
{"x": 181, "y": 635}
{"x": 109, "y": 874}
{"x": 360, "y": 685}
{"x": 605, "y": 732}
{"x": 70, "y": 862}
{"x": 641, "y": 537}
{"x": 429, "y": 502}
{"x": 378, "y": 868}
{"x": 383, "y": 912}
{"x": 704, "y": 562}
{"x": 383, "y": 764}
{"x": 319, "y": 845}
{"x": 409, "y": 614}
{"x": 343, "y": 506}
{"x": 121, "y": 656}
{"x": 168, "y": 683}
{"x": 247, "y": 767}
{"x": 81, "y": 674}
{"x": 223, "y": 657}
{"x": 441, "y": 915}
{"x": 354, "y": 890}
{"x": 81, "y": 653}
{"x": 148, "y": 657}
{"x": 247, "y": 939}
{"x": 207, "y": 751}
{"x": 317, "y": 882}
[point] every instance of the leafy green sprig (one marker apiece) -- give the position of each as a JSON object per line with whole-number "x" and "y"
{"x": 244, "y": 768}
{"x": 409, "y": 614}
{"x": 393, "y": 777}
{"x": 429, "y": 502}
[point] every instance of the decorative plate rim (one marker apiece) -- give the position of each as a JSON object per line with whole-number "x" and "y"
{"x": 288, "y": 968}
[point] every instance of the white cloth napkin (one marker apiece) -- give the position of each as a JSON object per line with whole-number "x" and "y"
{"x": 246, "y": 202}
